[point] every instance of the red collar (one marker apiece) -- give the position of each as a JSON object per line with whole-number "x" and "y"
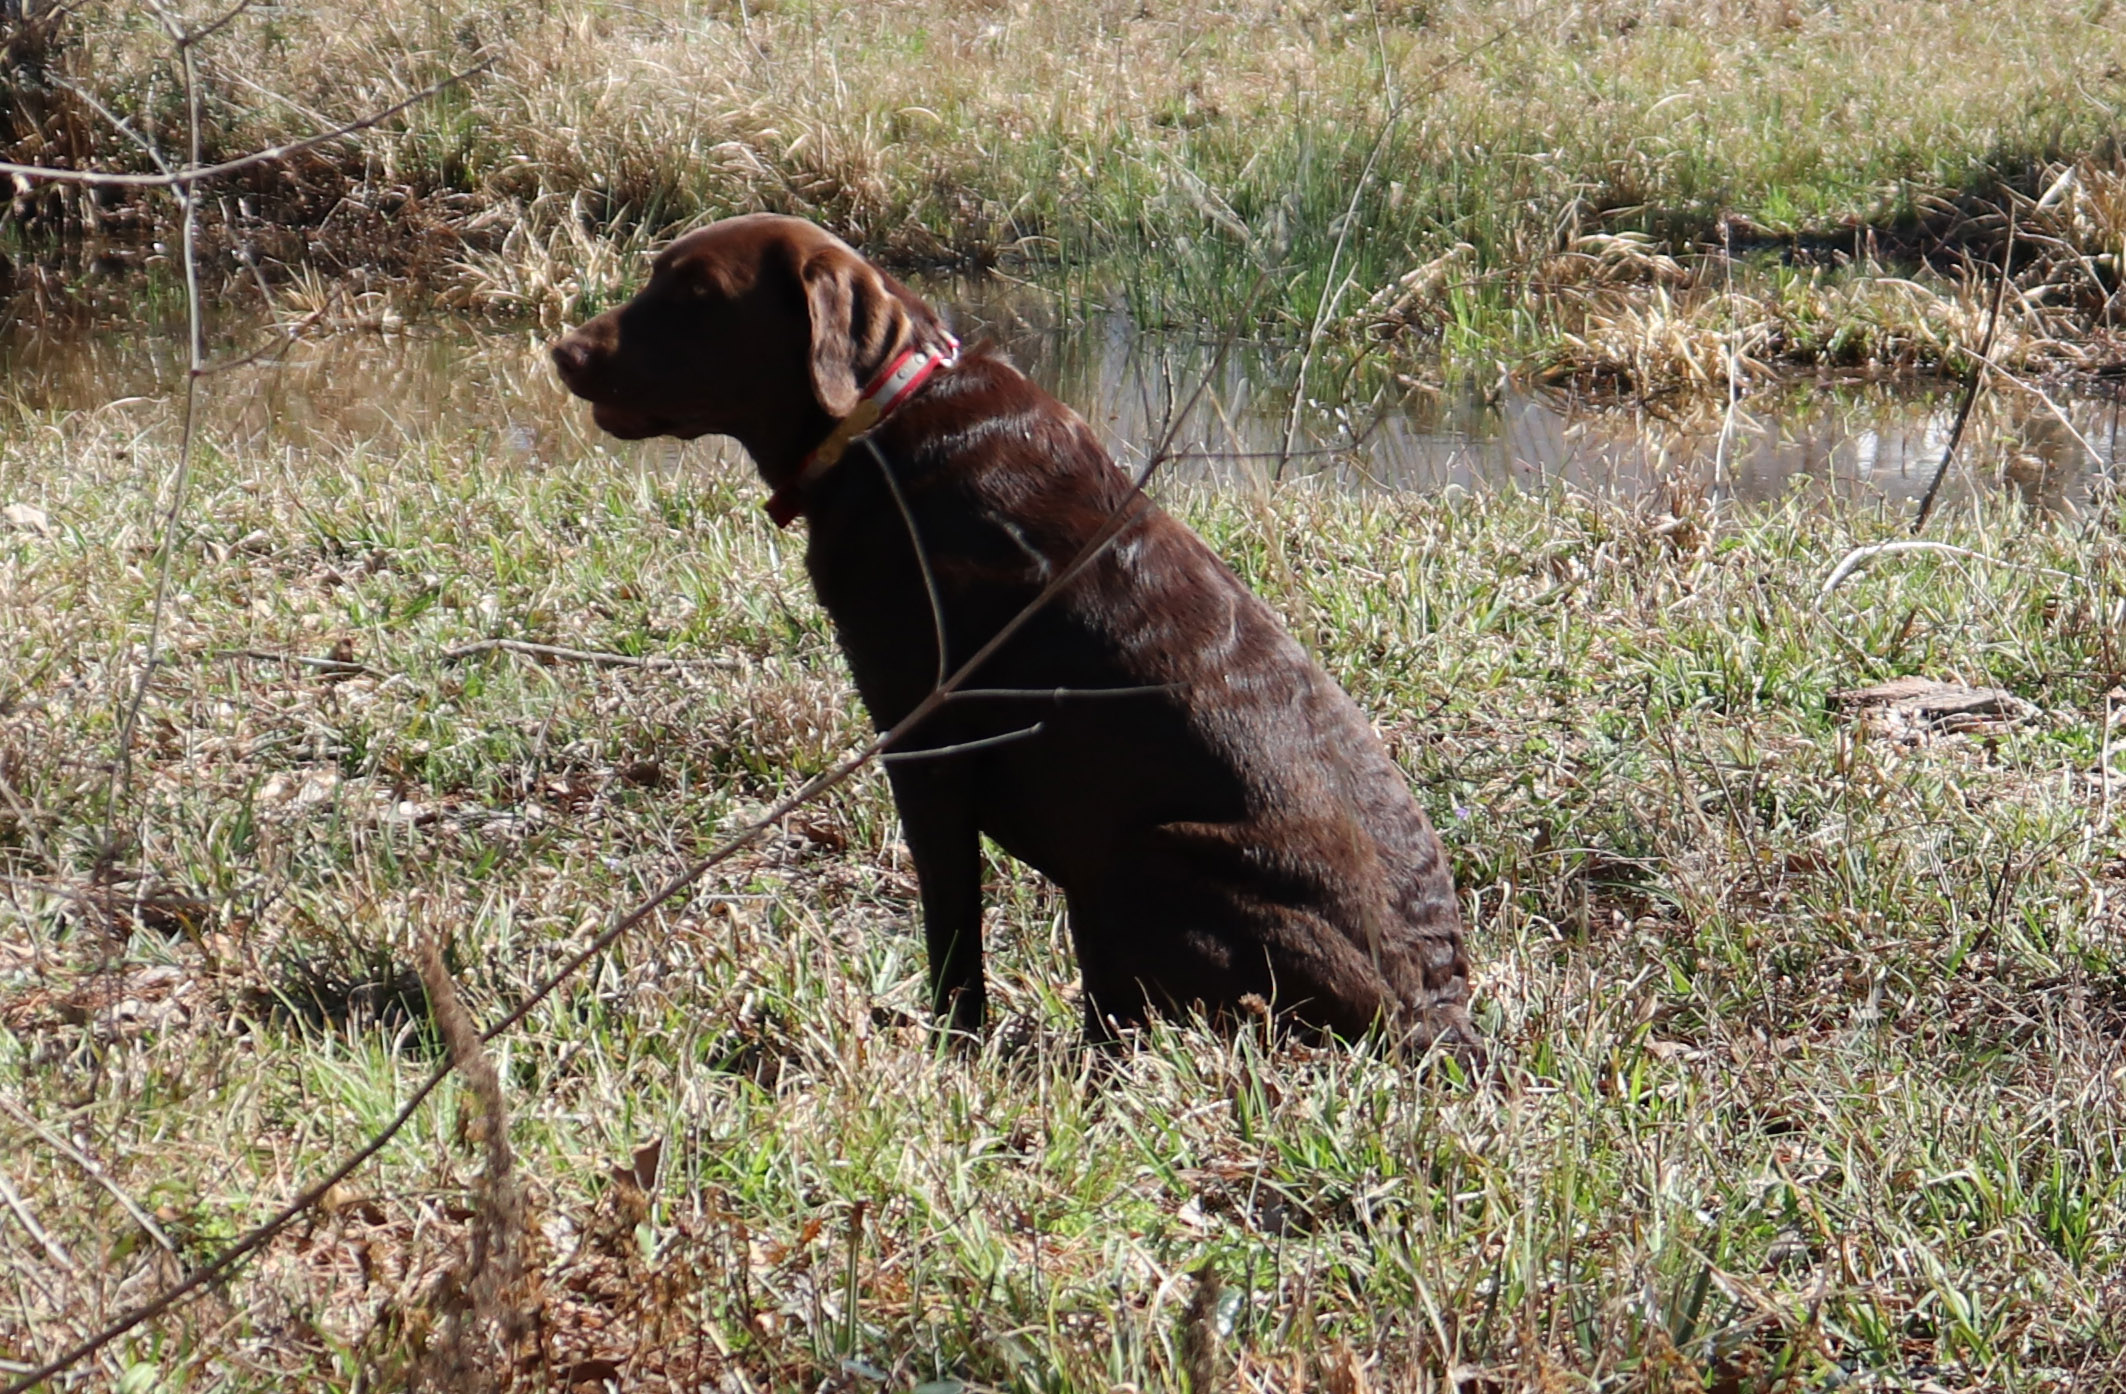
{"x": 895, "y": 384}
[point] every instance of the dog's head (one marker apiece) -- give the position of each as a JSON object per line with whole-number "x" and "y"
{"x": 761, "y": 327}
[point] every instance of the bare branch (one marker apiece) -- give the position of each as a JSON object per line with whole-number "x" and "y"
{"x": 236, "y": 1253}
{"x": 1979, "y": 366}
{"x": 123, "y": 127}
{"x": 196, "y": 357}
{"x": 1861, "y": 556}
{"x": 329, "y": 665}
{"x": 94, "y": 1171}
{"x": 597, "y": 656}
{"x": 185, "y": 178}
{"x": 215, "y": 25}
{"x": 1059, "y": 694}
{"x": 2066, "y": 422}
{"x": 1332, "y": 290}
{"x": 52, "y": 1248}
{"x": 962, "y": 747}
{"x": 26, "y": 821}
{"x": 273, "y": 348}
{"x": 922, "y": 554}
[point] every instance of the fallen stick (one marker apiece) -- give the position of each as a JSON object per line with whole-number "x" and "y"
{"x": 597, "y": 656}
{"x": 328, "y": 665}
{"x": 1861, "y": 556}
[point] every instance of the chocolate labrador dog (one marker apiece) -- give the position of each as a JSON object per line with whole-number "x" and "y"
{"x": 1226, "y": 827}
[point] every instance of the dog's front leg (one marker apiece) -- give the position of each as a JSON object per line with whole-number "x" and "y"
{"x": 937, "y": 818}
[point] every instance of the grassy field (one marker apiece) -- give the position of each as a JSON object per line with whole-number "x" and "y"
{"x": 1648, "y": 192}
{"x": 1812, "y": 1018}
{"x": 1811, "y": 1015}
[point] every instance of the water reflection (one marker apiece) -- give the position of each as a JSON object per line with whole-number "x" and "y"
{"x": 495, "y": 390}
{"x": 1873, "y": 443}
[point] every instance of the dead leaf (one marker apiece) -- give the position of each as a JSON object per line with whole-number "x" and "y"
{"x": 1340, "y": 1372}
{"x": 1914, "y": 705}
{"x": 28, "y": 517}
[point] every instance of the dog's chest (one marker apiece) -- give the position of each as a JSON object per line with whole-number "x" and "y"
{"x": 870, "y": 577}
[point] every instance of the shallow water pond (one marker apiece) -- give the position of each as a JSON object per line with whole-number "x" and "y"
{"x": 441, "y": 381}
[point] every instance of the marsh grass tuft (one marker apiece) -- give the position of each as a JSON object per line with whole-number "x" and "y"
{"x": 1599, "y": 173}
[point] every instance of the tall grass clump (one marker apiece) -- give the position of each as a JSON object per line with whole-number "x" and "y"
{"x": 1457, "y": 175}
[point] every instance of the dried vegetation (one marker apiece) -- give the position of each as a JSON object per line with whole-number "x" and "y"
{"x": 1647, "y": 191}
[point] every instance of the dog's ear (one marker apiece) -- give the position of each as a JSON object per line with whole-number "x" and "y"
{"x": 857, "y": 324}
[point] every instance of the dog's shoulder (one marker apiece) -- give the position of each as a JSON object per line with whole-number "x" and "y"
{"x": 1007, "y": 445}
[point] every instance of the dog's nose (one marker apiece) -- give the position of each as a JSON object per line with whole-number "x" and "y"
{"x": 572, "y": 356}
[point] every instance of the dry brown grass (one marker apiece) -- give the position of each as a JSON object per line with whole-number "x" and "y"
{"x": 1590, "y": 158}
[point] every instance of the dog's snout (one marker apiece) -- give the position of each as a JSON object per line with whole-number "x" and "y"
{"x": 572, "y": 356}
{"x": 585, "y": 354}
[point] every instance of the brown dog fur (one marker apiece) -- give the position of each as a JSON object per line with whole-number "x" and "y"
{"x": 1235, "y": 831}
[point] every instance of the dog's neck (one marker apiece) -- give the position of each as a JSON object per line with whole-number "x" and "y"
{"x": 901, "y": 378}
{"x": 780, "y": 443}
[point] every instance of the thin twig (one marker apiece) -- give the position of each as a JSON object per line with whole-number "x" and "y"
{"x": 213, "y": 26}
{"x": 1971, "y": 385}
{"x": 94, "y": 1171}
{"x": 597, "y": 656}
{"x": 2058, "y": 413}
{"x": 1062, "y": 694}
{"x": 290, "y": 332}
{"x": 1331, "y": 289}
{"x": 1861, "y": 556}
{"x": 243, "y": 1248}
{"x": 1734, "y": 356}
{"x": 51, "y": 1246}
{"x": 118, "y": 123}
{"x": 922, "y": 555}
{"x": 329, "y": 665}
{"x": 203, "y": 173}
{"x": 196, "y": 359}
{"x": 2113, "y": 711}
{"x": 30, "y": 883}
{"x": 1209, "y": 454}
{"x": 26, "y": 821}
{"x": 963, "y": 747}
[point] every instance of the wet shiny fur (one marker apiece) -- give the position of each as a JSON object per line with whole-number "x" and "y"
{"x": 1235, "y": 832}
